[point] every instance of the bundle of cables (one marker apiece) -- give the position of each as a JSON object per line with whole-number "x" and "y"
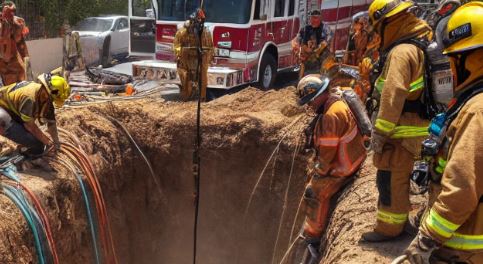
{"x": 72, "y": 157}
{"x": 31, "y": 209}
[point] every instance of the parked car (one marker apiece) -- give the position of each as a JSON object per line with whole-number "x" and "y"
{"x": 104, "y": 38}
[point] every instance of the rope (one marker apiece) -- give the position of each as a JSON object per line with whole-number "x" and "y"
{"x": 285, "y": 199}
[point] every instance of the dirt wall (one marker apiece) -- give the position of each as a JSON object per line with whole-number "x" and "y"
{"x": 240, "y": 134}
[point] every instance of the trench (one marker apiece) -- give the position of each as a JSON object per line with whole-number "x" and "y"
{"x": 155, "y": 225}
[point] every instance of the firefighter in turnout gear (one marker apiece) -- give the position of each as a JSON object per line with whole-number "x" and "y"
{"x": 358, "y": 40}
{"x": 400, "y": 125}
{"x": 339, "y": 151}
{"x": 24, "y": 103}
{"x": 186, "y": 51}
{"x": 72, "y": 51}
{"x": 451, "y": 230}
{"x": 13, "y": 48}
{"x": 311, "y": 41}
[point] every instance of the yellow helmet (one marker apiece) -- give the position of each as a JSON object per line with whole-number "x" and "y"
{"x": 464, "y": 31}
{"x": 57, "y": 87}
{"x": 382, "y": 9}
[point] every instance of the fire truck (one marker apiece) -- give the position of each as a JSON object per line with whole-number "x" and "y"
{"x": 252, "y": 38}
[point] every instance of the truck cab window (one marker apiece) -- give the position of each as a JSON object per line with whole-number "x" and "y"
{"x": 261, "y": 9}
{"x": 279, "y": 8}
{"x": 139, "y": 7}
{"x": 291, "y": 8}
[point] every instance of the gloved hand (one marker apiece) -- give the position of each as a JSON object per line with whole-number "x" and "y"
{"x": 377, "y": 142}
{"x": 420, "y": 249}
{"x": 365, "y": 67}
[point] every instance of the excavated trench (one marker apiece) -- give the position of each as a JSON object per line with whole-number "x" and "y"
{"x": 247, "y": 138}
{"x": 250, "y": 139}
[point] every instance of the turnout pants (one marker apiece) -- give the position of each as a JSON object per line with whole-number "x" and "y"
{"x": 317, "y": 197}
{"x": 15, "y": 131}
{"x": 450, "y": 256}
{"x": 188, "y": 79}
{"x": 394, "y": 166}
{"x": 12, "y": 71}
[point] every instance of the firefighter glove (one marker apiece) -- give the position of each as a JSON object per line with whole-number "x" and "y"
{"x": 420, "y": 249}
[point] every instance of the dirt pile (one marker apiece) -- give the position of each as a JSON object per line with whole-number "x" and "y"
{"x": 250, "y": 139}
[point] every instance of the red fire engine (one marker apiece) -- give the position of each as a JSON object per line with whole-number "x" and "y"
{"x": 252, "y": 38}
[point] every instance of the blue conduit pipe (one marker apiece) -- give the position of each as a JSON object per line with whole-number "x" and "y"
{"x": 12, "y": 193}
{"x": 89, "y": 217}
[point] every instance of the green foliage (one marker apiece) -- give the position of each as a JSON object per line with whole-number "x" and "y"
{"x": 54, "y": 12}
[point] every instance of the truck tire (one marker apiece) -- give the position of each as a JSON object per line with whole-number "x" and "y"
{"x": 267, "y": 72}
{"x": 106, "y": 52}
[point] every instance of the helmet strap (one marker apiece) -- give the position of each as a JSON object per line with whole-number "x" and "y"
{"x": 462, "y": 74}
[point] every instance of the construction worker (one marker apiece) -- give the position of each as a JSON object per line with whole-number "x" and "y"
{"x": 186, "y": 51}
{"x": 24, "y": 103}
{"x": 401, "y": 124}
{"x": 310, "y": 43}
{"x": 13, "y": 48}
{"x": 451, "y": 230}
{"x": 72, "y": 51}
{"x": 339, "y": 152}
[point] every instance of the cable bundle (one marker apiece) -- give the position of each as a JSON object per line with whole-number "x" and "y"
{"x": 33, "y": 212}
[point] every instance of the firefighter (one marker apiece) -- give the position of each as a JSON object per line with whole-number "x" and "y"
{"x": 358, "y": 40}
{"x": 13, "y": 48}
{"x": 72, "y": 51}
{"x": 186, "y": 51}
{"x": 452, "y": 229}
{"x": 339, "y": 152}
{"x": 400, "y": 124}
{"x": 310, "y": 43}
{"x": 24, "y": 103}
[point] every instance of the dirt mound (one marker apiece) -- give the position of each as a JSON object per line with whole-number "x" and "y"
{"x": 250, "y": 139}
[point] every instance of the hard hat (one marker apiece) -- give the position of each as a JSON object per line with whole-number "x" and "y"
{"x": 464, "y": 31}
{"x": 382, "y": 9}
{"x": 57, "y": 87}
{"x": 310, "y": 87}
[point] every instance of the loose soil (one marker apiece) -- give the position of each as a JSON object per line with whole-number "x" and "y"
{"x": 155, "y": 225}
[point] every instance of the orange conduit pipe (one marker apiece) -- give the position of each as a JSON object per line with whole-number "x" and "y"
{"x": 72, "y": 148}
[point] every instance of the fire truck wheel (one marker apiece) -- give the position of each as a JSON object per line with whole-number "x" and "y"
{"x": 267, "y": 72}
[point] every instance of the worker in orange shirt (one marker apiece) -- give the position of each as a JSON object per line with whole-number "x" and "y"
{"x": 339, "y": 148}
{"x": 13, "y": 48}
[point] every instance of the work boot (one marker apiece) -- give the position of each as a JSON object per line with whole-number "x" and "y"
{"x": 374, "y": 237}
{"x": 411, "y": 227}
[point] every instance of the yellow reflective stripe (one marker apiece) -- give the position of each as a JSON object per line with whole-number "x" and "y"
{"x": 413, "y": 87}
{"x": 409, "y": 132}
{"x": 465, "y": 242}
{"x": 380, "y": 84}
{"x": 440, "y": 225}
{"x": 391, "y": 218}
{"x": 417, "y": 85}
{"x": 384, "y": 126}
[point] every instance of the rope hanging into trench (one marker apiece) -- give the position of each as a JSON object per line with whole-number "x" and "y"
{"x": 31, "y": 210}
